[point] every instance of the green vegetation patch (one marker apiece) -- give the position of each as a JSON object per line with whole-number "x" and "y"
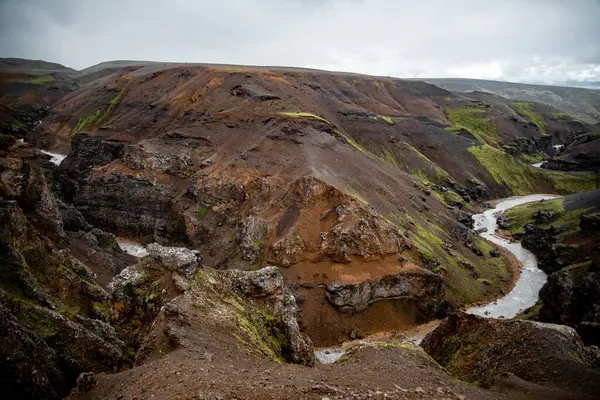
{"x": 201, "y": 211}
{"x": 96, "y": 118}
{"x": 522, "y": 179}
{"x": 386, "y": 119}
{"x": 41, "y": 80}
{"x": 505, "y": 169}
{"x": 304, "y": 115}
{"x": 521, "y": 215}
{"x": 476, "y": 121}
{"x": 526, "y": 110}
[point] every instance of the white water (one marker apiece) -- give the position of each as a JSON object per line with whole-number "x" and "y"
{"x": 56, "y": 158}
{"x": 133, "y": 248}
{"x": 329, "y": 356}
{"x": 524, "y": 294}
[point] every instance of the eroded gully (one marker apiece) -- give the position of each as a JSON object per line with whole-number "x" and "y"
{"x": 524, "y": 294}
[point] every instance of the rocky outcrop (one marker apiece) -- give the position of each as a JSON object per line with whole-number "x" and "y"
{"x": 531, "y": 146}
{"x": 53, "y": 314}
{"x": 556, "y": 298}
{"x": 424, "y": 287}
{"x": 138, "y": 292}
{"x": 252, "y": 306}
{"x": 267, "y": 285}
{"x": 24, "y": 182}
{"x": 546, "y": 244}
{"x": 486, "y": 351}
{"x": 583, "y": 154}
{"x": 126, "y": 203}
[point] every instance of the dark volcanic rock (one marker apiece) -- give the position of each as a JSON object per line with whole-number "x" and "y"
{"x": 424, "y": 287}
{"x": 485, "y": 350}
{"x": 556, "y": 297}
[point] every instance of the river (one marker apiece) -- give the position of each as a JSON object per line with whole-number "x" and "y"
{"x": 524, "y": 294}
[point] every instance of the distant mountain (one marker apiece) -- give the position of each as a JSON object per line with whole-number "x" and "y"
{"x": 583, "y": 103}
{"x": 21, "y": 63}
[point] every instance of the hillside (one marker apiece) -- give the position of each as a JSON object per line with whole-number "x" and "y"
{"x": 580, "y": 102}
{"x": 279, "y": 208}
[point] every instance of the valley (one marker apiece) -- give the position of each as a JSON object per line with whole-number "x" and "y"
{"x": 201, "y": 229}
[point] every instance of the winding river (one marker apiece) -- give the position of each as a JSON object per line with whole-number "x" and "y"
{"x": 524, "y": 294}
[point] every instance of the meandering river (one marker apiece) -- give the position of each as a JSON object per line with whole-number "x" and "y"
{"x": 524, "y": 294}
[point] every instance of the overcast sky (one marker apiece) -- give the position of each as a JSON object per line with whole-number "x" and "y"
{"x": 520, "y": 40}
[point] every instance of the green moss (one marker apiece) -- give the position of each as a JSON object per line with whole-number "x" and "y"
{"x": 532, "y": 158}
{"x": 526, "y": 110}
{"x": 96, "y": 118}
{"x": 475, "y": 120}
{"x": 303, "y": 115}
{"x": 104, "y": 308}
{"x": 350, "y": 141}
{"x": 37, "y": 320}
{"x": 505, "y": 169}
{"x": 88, "y": 120}
{"x": 521, "y": 215}
{"x": 201, "y": 211}
{"x": 522, "y": 179}
{"x": 566, "y": 183}
{"x": 452, "y": 198}
{"x": 41, "y": 80}
{"x": 387, "y": 119}
{"x": 532, "y": 312}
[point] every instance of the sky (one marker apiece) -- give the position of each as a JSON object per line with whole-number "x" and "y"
{"x": 516, "y": 40}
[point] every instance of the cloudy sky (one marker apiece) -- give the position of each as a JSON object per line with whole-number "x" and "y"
{"x": 519, "y": 40}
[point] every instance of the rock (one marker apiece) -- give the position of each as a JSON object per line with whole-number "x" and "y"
{"x": 253, "y": 305}
{"x": 252, "y": 237}
{"x": 495, "y": 253}
{"x": 30, "y": 368}
{"x": 481, "y": 350}
{"x": 502, "y": 222}
{"x": 180, "y": 282}
{"x": 556, "y": 296}
{"x": 179, "y": 259}
{"x": 72, "y": 218}
{"x": 590, "y": 223}
{"x": 85, "y": 382}
{"x": 586, "y": 304}
{"x": 541, "y": 216}
{"x": 424, "y": 287}
{"x": 262, "y": 283}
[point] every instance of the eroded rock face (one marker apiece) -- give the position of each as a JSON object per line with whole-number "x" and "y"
{"x": 23, "y": 181}
{"x": 424, "y": 287}
{"x": 48, "y": 340}
{"x": 253, "y": 306}
{"x": 486, "y": 350}
{"x": 267, "y": 284}
{"x": 544, "y": 243}
{"x": 556, "y": 297}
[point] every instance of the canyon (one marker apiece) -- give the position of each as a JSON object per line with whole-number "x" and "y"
{"x": 201, "y": 228}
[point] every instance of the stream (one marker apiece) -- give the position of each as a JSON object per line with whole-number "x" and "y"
{"x": 524, "y": 294}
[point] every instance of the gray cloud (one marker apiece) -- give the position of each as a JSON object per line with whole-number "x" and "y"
{"x": 523, "y": 40}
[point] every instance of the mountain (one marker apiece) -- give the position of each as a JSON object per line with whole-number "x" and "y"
{"x": 582, "y": 103}
{"x": 281, "y": 208}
